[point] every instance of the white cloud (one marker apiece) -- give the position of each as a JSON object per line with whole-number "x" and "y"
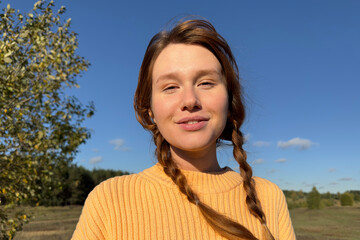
{"x": 333, "y": 183}
{"x": 271, "y": 171}
{"x": 332, "y": 170}
{"x": 119, "y": 144}
{"x": 125, "y": 149}
{"x": 258, "y": 161}
{"x": 246, "y": 137}
{"x": 261, "y": 144}
{"x": 345, "y": 179}
{"x": 299, "y": 143}
{"x": 281, "y": 160}
{"x": 95, "y": 150}
{"x": 95, "y": 160}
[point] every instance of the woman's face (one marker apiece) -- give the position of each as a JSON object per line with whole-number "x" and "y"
{"x": 189, "y": 98}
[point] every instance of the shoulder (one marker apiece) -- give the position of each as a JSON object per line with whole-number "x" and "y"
{"x": 118, "y": 180}
{"x": 100, "y": 207}
{"x": 115, "y": 185}
{"x": 273, "y": 203}
{"x": 268, "y": 190}
{"x": 264, "y": 183}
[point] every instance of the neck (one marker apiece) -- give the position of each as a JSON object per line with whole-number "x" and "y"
{"x": 202, "y": 161}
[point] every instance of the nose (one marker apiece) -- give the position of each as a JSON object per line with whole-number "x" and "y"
{"x": 190, "y": 100}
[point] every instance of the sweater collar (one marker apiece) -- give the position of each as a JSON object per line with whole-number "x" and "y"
{"x": 200, "y": 182}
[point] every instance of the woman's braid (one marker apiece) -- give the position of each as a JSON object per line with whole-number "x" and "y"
{"x": 252, "y": 200}
{"x": 220, "y": 223}
{"x": 170, "y": 168}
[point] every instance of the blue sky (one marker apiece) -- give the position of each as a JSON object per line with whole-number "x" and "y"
{"x": 300, "y": 68}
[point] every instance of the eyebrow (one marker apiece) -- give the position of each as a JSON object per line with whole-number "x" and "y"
{"x": 199, "y": 74}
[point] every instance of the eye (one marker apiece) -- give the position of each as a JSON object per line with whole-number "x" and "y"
{"x": 170, "y": 88}
{"x": 206, "y": 84}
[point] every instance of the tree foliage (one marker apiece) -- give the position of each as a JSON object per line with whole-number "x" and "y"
{"x": 77, "y": 184}
{"x": 346, "y": 199}
{"x": 356, "y": 194}
{"x": 313, "y": 199}
{"x": 40, "y": 126}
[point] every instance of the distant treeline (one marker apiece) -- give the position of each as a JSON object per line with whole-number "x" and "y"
{"x": 74, "y": 184}
{"x": 316, "y": 200}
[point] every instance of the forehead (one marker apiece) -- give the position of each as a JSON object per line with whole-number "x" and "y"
{"x": 184, "y": 59}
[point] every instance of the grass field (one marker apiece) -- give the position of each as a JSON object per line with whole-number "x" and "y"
{"x": 334, "y": 223}
{"x": 331, "y": 223}
{"x": 50, "y": 223}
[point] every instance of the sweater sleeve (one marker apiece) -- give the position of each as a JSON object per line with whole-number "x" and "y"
{"x": 286, "y": 230}
{"x": 92, "y": 222}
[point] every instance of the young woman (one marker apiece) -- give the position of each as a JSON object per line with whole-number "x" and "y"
{"x": 189, "y": 97}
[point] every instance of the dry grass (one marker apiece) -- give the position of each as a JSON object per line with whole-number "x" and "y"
{"x": 51, "y": 223}
{"x": 335, "y": 223}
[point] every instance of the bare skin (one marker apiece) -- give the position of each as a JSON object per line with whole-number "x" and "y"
{"x": 190, "y": 104}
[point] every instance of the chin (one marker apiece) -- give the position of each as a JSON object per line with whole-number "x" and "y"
{"x": 193, "y": 142}
{"x": 194, "y": 145}
{"x": 193, "y": 148}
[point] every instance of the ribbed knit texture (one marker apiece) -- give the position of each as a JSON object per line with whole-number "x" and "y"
{"x": 148, "y": 205}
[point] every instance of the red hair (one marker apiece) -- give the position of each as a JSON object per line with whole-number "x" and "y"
{"x": 202, "y": 33}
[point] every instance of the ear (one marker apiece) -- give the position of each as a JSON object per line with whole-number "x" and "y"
{"x": 151, "y": 115}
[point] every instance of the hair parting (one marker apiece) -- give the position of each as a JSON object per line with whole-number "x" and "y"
{"x": 201, "y": 32}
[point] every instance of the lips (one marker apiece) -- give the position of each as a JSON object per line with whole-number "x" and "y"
{"x": 192, "y": 119}
{"x": 193, "y": 123}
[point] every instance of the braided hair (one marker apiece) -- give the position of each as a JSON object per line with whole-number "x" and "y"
{"x": 202, "y": 33}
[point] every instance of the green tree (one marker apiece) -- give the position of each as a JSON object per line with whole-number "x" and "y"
{"x": 356, "y": 194}
{"x": 326, "y": 195}
{"x": 313, "y": 199}
{"x": 40, "y": 126}
{"x": 346, "y": 199}
{"x": 81, "y": 183}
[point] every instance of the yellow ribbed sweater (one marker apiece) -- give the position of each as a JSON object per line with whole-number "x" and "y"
{"x": 148, "y": 205}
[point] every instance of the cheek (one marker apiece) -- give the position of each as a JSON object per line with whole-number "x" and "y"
{"x": 160, "y": 109}
{"x": 219, "y": 104}
{"x": 224, "y": 108}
